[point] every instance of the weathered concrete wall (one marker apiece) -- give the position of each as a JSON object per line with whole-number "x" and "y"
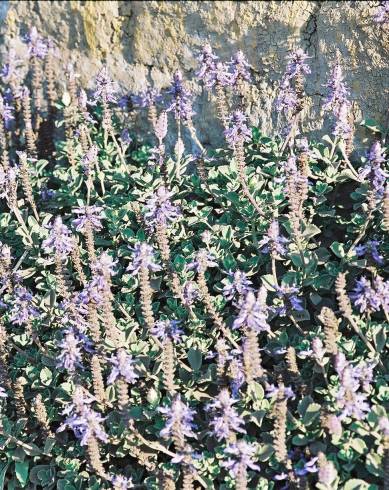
{"x": 145, "y": 41}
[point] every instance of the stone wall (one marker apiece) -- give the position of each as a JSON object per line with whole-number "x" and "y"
{"x": 145, "y": 41}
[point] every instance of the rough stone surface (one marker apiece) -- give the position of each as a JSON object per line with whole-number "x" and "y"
{"x": 145, "y": 41}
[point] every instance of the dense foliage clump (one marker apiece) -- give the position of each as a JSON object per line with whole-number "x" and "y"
{"x": 172, "y": 319}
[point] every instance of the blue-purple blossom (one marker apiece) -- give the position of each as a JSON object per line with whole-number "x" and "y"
{"x": 123, "y": 367}
{"x": 120, "y": 482}
{"x": 273, "y": 390}
{"x": 160, "y": 210}
{"x": 3, "y": 393}
{"x": 143, "y": 257}
{"x": 160, "y": 129}
{"x": 239, "y": 285}
{"x": 238, "y": 132}
{"x": 190, "y": 293}
{"x": 240, "y": 69}
{"x": 179, "y": 414}
{"x": 59, "y": 240}
{"x": 338, "y": 92}
{"x": 11, "y": 69}
{"x": 125, "y": 137}
{"x": 147, "y": 98}
{"x": 342, "y": 128}
{"x": 37, "y": 45}
{"x": 207, "y": 61}
{"x": 70, "y": 355}
{"x": 370, "y": 249}
{"x": 181, "y": 103}
{"x": 253, "y": 312}
{"x": 88, "y": 215}
{"x": 242, "y": 456}
{"x": 168, "y": 329}
{"x": 225, "y": 419}
{"x": 374, "y": 171}
{"x": 23, "y": 310}
{"x": 296, "y": 65}
{"x": 364, "y": 296}
{"x": 203, "y": 260}
{"x": 237, "y": 372}
{"x": 89, "y": 160}
{"x": 82, "y": 419}
{"x": 273, "y": 242}
{"x": 304, "y": 467}
{"x": 286, "y": 100}
{"x": 291, "y": 302}
{"x": 381, "y": 15}
{"x": 6, "y": 112}
{"x": 106, "y": 88}
{"x": 383, "y": 424}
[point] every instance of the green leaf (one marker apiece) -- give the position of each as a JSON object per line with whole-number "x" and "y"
{"x": 3, "y": 471}
{"x": 374, "y": 464}
{"x": 268, "y": 282}
{"x": 195, "y": 359}
{"x": 311, "y": 413}
{"x": 358, "y": 445}
{"x": 304, "y": 404}
{"x": 46, "y": 376}
{"x": 338, "y": 249}
{"x": 310, "y": 231}
{"x": 21, "y": 471}
{"x": 356, "y": 484}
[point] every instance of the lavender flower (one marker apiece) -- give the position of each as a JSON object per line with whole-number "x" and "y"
{"x": 147, "y": 98}
{"x": 240, "y": 285}
{"x": 181, "y": 103}
{"x": 84, "y": 421}
{"x": 89, "y": 159}
{"x": 382, "y": 13}
{"x": 225, "y": 418}
{"x": 37, "y": 45}
{"x": 342, "y": 127}
{"x": 237, "y": 372}
{"x": 371, "y": 250}
{"x": 272, "y": 391}
{"x": 22, "y": 311}
{"x": 125, "y": 137}
{"x": 296, "y": 65}
{"x": 253, "y": 312}
{"x": 105, "y": 265}
{"x": 88, "y": 215}
{"x": 202, "y": 262}
{"x": 338, "y": 92}
{"x": 291, "y": 302}
{"x": 160, "y": 210}
{"x": 286, "y": 100}
{"x": 106, "y": 88}
{"x": 164, "y": 329}
{"x": 306, "y": 467}
{"x": 11, "y": 69}
{"x": 364, "y": 296}
{"x": 6, "y": 112}
{"x": 383, "y": 424}
{"x": 178, "y": 414}
{"x": 120, "y": 482}
{"x": 3, "y": 393}
{"x": 160, "y": 128}
{"x": 317, "y": 350}
{"x": 123, "y": 367}
{"x": 70, "y": 357}
{"x": 143, "y": 256}
{"x": 238, "y": 131}
{"x": 273, "y": 242}
{"x": 207, "y": 60}
{"x": 59, "y": 240}
{"x": 373, "y": 171}
{"x": 239, "y": 69}
{"x": 242, "y": 453}
{"x": 190, "y": 293}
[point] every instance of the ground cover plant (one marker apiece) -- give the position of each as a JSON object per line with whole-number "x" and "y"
{"x": 189, "y": 319}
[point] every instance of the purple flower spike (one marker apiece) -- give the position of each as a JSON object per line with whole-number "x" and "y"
{"x": 178, "y": 414}
{"x": 208, "y": 66}
{"x": 181, "y": 103}
{"x": 365, "y": 297}
{"x": 239, "y": 286}
{"x": 22, "y": 311}
{"x": 190, "y": 293}
{"x": 238, "y": 131}
{"x": 373, "y": 169}
{"x": 203, "y": 260}
{"x": 290, "y": 299}
{"x": 242, "y": 453}
{"x": 382, "y": 13}
{"x": 106, "y": 88}
{"x": 6, "y": 112}
{"x": 225, "y": 417}
{"x": 371, "y": 250}
{"x": 147, "y": 98}
{"x": 120, "y": 482}
{"x": 296, "y": 65}
{"x": 239, "y": 69}
{"x": 338, "y": 92}
{"x": 88, "y": 215}
{"x": 59, "y": 240}
{"x": 70, "y": 357}
{"x": 37, "y": 45}
{"x": 160, "y": 210}
{"x": 168, "y": 329}
{"x": 253, "y": 312}
{"x": 122, "y": 367}
{"x": 143, "y": 257}
{"x": 273, "y": 242}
